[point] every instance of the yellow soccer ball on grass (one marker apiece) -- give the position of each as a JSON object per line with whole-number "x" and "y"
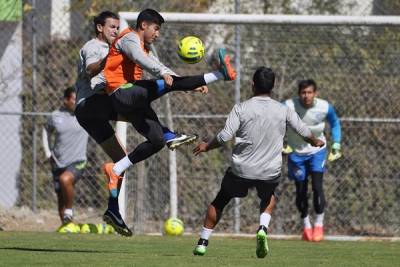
{"x": 191, "y": 49}
{"x": 85, "y": 228}
{"x": 173, "y": 227}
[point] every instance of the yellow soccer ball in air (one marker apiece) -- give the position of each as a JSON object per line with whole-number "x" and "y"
{"x": 173, "y": 227}
{"x": 191, "y": 49}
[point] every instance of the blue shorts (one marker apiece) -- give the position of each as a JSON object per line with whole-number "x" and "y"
{"x": 299, "y": 166}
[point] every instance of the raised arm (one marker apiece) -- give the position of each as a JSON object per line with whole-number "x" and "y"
{"x": 130, "y": 45}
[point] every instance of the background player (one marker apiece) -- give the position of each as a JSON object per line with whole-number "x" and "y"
{"x": 67, "y": 155}
{"x": 258, "y": 126}
{"x": 306, "y": 160}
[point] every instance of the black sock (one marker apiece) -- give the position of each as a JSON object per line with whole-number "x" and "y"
{"x": 113, "y": 204}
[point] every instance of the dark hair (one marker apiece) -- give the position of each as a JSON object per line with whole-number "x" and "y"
{"x": 149, "y": 15}
{"x": 69, "y": 91}
{"x": 264, "y": 80}
{"x": 307, "y": 83}
{"x": 101, "y": 19}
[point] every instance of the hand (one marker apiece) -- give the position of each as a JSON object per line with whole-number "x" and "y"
{"x": 317, "y": 142}
{"x": 202, "y": 147}
{"x": 168, "y": 79}
{"x": 335, "y": 152}
{"x": 287, "y": 149}
{"x": 202, "y": 89}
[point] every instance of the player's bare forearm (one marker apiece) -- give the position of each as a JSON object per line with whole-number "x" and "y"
{"x": 95, "y": 68}
{"x": 204, "y": 147}
{"x": 314, "y": 141}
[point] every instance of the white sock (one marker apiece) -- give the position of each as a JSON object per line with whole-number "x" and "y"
{"x": 68, "y": 212}
{"x": 205, "y": 233}
{"x": 264, "y": 219}
{"x": 306, "y": 222}
{"x": 213, "y": 77}
{"x": 122, "y": 165}
{"x": 319, "y": 220}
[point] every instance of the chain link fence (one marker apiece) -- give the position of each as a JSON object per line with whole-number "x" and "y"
{"x": 356, "y": 68}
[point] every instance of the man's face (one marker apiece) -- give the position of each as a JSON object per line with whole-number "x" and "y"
{"x": 110, "y": 30}
{"x": 151, "y": 32}
{"x": 69, "y": 102}
{"x": 307, "y": 96}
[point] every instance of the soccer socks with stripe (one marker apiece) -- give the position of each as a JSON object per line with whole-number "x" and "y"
{"x": 265, "y": 218}
{"x": 122, "y": 165}
{"x": 205, "y": 233}
{"x": 213, "y": 77}
{"x": 319, "y": 220}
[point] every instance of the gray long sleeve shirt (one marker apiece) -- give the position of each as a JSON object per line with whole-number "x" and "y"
{"x": 259, "y": 126}
{"x": 131, "y": 46}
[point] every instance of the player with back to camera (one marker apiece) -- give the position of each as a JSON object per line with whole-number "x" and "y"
{"x": 258, "y": 126}
{"x": 306, "y": 160}
{"x": 132, "y": 97}
{"x": 65, "y": 143}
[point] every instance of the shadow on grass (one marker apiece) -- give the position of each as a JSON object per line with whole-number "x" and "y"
{"x": 52, "y": 250}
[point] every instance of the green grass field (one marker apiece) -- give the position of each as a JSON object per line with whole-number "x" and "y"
{"x": 52, "y": 249}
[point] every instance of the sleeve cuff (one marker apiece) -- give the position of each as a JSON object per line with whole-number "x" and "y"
{"x": 336, "y": 146}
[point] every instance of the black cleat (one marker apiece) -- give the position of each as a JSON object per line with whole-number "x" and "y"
{"x": 181, "y": 139}
{"x": 115, "y": 220}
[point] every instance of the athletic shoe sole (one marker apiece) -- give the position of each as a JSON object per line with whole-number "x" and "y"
{"x": 199, "y": 251}
{"x": 262, "y": 245}
{"x": 173, "y": 145}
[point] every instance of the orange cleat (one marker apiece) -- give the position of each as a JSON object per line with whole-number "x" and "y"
{"x": 307, "y": 234}
{"x": 112, "y": 179}
{"x": 225, "y": 65}
{"x": 318, "y": 234}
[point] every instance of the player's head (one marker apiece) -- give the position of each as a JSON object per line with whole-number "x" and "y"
{"x": 106, "y": 25}
{"x": 263, "y": 81}
{"x": 149, "y": 22}
{"x": 307, "y": 92}
{"x": 69, "y": 98}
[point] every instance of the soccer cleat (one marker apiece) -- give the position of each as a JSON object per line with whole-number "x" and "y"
{"x": 318, "y": 234}
{"x": 180, "y": 139}
{"x": 262, "y": 244}
{"x": 307, "y": 234}
{"x": 68, "y": 227}
{"x": 115, "y": 220}
{"x": 225, "y": 65}
{"x": 112, "y": 179}
{"x": 67, "y": 219}
{"x": 201, "y": 247}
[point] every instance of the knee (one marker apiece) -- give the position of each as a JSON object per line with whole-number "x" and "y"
{"x": 158, "y": 142}
{"x": 66, "y": 178}
{"x": 220, "y": 201}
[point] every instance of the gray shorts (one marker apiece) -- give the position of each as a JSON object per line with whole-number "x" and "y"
{"x": 75, "y": 168}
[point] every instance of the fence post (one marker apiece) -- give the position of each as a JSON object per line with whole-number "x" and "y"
{"x": 236, "y": 223}
{"x": 121, "y": 133}
{"x": 34, "y": 89}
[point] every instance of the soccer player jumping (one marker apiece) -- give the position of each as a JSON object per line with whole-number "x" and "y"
{"x": 258, "y": 126}
{"x": 306, "y": 160}
{"x": 132, "y": 97}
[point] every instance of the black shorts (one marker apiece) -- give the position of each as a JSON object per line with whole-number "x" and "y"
{"x": 94, "y": 114}
{"x": 235, "y": 186}
{"x": 75, "y": 168}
